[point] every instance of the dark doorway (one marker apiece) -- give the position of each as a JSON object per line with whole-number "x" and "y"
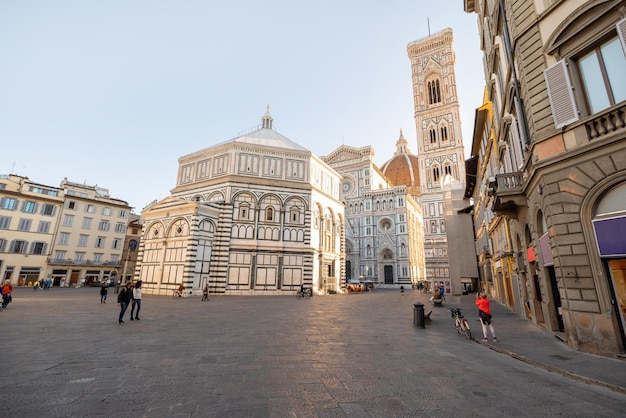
{"x": 388, "y": 274}
{"x": 556, "y": 296}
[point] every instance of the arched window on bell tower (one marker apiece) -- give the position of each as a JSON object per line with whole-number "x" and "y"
{"x": 436, "y": 174}
{"x": 434, "y": 92}
{"x": 433, "y": 136}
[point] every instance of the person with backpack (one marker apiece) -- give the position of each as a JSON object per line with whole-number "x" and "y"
{"x": 123, "y": 299}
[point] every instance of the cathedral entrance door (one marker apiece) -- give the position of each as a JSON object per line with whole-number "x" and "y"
{"x": 388, "y": 274}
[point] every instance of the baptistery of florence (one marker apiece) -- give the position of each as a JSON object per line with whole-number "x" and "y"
{"x": 257, "y": 214}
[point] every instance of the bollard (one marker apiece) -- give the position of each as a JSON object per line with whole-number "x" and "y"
{"x": 418, "y": 315}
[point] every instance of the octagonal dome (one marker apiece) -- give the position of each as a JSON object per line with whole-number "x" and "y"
{"x": 403, "y": 168}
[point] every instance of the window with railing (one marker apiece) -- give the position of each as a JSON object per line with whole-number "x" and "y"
{"x": 598, "y": 66}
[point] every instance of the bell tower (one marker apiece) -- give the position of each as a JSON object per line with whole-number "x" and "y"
{"x": 440, "y": 148}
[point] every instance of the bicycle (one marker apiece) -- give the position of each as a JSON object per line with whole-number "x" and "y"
{"x": 179, "y": 294}
{"x": 307, "y": 293}
{"x": 460, "y": 323}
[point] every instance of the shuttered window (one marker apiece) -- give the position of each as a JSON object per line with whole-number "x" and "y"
{"x": 562, "y": 102}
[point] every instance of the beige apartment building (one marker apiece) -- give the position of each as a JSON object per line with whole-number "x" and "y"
{"x": 548, "y": 166}
{"x": 73, "y": 234}
{"x": 29, "y": 214}
{"x": 90, "y": 236}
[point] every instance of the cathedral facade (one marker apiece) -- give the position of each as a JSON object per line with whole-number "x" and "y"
{"x": 258, "y": 214}
{"x": 384, "y": 225}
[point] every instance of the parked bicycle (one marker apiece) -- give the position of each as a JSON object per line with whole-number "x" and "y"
{"x": 306, "y": 293}
{"x": 460, "y": 323}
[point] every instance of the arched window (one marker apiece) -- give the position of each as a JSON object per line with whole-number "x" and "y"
{"x": 269, "y": 214}
{"x": 447, "y": 169}
{"x": 436, "y": 174}
{"x": 433, "y": 136}
{"x": 444, "y": 133}
{"x": 434, "y": 92}
{"x": 295, "y": 215}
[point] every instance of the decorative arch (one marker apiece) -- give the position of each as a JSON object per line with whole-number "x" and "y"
{"x": 386, "y": 254}
{"x": 156, "y": 230}
{"x": 599, "y": 199}
{"x": 178, "y": 228}
{"x": 244, "y": 205}
{"x": 216, "y": 197}
{"x": 270, "y": 205}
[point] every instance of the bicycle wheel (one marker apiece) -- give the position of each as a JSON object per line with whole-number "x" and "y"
{"x": 307, "y": 295}
{"x": 466, "y": 329}
{"x": 458, "y": 326}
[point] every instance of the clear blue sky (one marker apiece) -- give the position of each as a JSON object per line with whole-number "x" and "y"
{"x": 113, "y": 92}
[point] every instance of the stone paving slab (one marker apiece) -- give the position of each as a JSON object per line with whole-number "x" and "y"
{"x": 277, "y": 356}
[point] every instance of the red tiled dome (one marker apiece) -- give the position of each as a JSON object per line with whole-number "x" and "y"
{"x": 403, "y": 168}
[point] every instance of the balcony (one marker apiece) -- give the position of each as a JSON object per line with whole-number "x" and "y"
{"x": 606, "y": 123}
{"x": 507, "y": 193}
{"x": 69, "y": 262}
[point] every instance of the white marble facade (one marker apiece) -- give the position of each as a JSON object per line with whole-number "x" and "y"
{"x": 384, "y": 228}
{"x": 258, "y": 214}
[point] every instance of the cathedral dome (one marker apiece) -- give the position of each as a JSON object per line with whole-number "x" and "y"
{"x": 403, "y": 168}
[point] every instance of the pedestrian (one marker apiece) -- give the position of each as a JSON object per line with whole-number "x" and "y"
{"x": 402, "y": 289}
{"x": 123, "y": 299}
{"x": 7, "y": 289}
{"x": 205, "y": 292}
{"x": 442, "y": 291}
{"x": 180, "y": 290}
{"x": 136, "y": 303}
{"x": 484, "y": 313}
{"x": 104, "y": 291}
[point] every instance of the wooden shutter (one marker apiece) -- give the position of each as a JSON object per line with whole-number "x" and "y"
{"x": 621, "y": 31}
{"x": 561, "y": 95}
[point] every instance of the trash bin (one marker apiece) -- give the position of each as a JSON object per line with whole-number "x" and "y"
{"x": 418, "y": 315}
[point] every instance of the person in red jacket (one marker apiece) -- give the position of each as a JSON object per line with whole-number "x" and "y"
{"x": 484, "y": 313}
{"x": 7, "y": 289}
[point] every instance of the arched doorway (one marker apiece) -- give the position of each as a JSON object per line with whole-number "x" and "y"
{"x": 609, "y": 225}
{"x": 388, "y": 266}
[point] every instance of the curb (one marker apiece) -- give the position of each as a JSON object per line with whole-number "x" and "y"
{"x": 553, "y": 369}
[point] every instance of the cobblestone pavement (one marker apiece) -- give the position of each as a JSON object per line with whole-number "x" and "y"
{"x": 64, "y": 355}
